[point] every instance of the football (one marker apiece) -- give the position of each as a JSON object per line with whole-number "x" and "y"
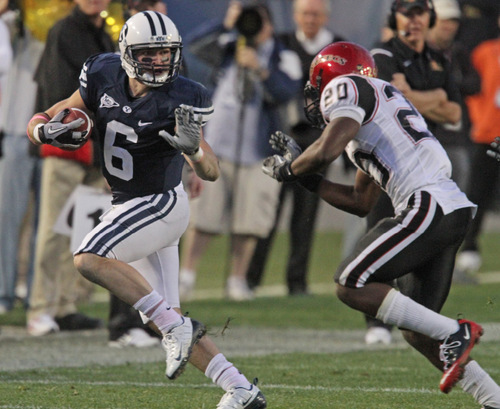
{"x": 75, "y": 113}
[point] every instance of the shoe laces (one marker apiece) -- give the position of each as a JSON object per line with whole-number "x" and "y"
{"x": 171, "y": 345}
{"x": 447, "y": 352}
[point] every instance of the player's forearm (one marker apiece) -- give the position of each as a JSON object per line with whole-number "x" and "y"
{"x": 327, "y": 148}
{"x": 446, "y": 113}
{"x": 205, "y": 164}
{"x": 344, "y": 197}
{"x": 37, "y": 120}
{"x": 426, "y": 101}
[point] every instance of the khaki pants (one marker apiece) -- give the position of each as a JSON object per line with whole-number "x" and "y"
{"x": 56, "y": 283}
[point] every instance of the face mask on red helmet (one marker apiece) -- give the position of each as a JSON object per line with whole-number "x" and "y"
{"x": 336, "y": 59}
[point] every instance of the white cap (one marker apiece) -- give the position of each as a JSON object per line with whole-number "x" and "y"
{"x": 447, "y": 9}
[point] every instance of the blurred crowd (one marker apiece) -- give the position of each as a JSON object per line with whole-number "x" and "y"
{"x": 447, "y": 66}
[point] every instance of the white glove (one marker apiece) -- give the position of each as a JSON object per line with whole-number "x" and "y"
{"x": 188, "y": 135}
{"x": 278, "y": 168}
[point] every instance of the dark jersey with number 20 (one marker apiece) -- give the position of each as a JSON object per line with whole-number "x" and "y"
{"x": 136, "y": 161}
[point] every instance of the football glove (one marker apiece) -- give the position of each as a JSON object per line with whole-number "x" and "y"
{"x": 495, "y": 152}
{"x": 278, "y": 168}
{"x": 61, "y": 135}
{"x": 285, "y": 146}
{"x": 188, "y": 135}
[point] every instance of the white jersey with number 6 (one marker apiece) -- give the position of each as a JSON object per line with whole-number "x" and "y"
{"x": 393, "y": 145}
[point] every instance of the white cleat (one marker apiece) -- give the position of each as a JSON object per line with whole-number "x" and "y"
{"x": 42, "y": 325}
{"x": 178, "y": 344}
{"x": 135, "y": 337}
{"x": 241, "y": 398}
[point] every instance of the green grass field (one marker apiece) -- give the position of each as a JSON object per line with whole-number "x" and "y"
{"x": 371, "y": 378}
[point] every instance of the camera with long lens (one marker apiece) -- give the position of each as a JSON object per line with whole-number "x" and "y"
{"x": 249, "y": 23}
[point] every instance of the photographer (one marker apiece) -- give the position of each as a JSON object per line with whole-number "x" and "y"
{"x": 255, "y": 76}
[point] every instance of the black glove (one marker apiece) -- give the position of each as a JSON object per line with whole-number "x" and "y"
{"x": 188, "y": 135}
{"x": 278, "y": 168}
{"x": 285, "y": 146}
{"x": 61, "y": 135}
{"x": 495, "y": 152}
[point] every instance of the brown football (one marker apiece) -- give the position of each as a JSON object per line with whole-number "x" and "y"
{"x": 75, "y": 113}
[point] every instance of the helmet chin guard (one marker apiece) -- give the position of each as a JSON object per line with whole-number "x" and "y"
{"x": 150, "y": 30}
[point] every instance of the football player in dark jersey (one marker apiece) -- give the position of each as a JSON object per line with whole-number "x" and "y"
{"x": 149, "y": 120}
{"x": 389, "y": 142}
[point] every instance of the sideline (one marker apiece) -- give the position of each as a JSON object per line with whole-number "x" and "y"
{"x": 83, "y": 348}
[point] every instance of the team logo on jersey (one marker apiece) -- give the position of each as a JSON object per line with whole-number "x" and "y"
{"x": 108, "y": 102}
{"x": 127, "y": 109}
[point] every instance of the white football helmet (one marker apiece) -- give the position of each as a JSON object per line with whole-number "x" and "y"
{"x": 150, "y": 30}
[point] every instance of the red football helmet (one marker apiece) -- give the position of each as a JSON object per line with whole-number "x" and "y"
{"x": 336, "y": 59}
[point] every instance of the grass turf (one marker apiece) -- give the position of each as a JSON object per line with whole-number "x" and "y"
{"x": 371, "y": 379}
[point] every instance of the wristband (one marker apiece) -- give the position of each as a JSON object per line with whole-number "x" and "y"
{"x": 311, "y": 182}
{"x": 36, "y": 136}
{"x": 36, "y": 133}
{"x": 286, "y": 174}
{"x": 196, "y": 157}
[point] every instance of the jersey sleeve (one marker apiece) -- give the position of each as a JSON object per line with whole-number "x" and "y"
{"x": 386, "y": 63}
{"x": 348, "y": 96}
{"x": 203, "y": 104}
{"x": 87, "y": 86}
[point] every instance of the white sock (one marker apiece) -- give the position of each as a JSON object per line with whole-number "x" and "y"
{"x": 224, "y": 374}
{"x": 147, "y": 303}
{"x": 400, "y": 310}
{"x": 157, "y": 310}
{"x": 479, "y": 384}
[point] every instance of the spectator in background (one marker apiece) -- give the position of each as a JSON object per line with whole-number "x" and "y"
{"x": 54, "y": 293}
{"x": 257, "y": 75}
{"x": 484, "y": 113}
{"x": 18, "y": 168}
{"x": 136, "y": 6}
{"x": 7, "y": 278}
{"x": 311, "y": 35}
{"x": 479, "y": 23}
{"x": 453, "y": 137}
{"x": 423, "y": 76}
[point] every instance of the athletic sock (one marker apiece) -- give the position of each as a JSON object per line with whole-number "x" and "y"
{"x": 479, "y": 384}
{"x": 157, "y": 310}
{"x": 400, "y": 310}
{"x": 224, "y": 374}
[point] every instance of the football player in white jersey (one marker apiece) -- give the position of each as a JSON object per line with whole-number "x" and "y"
{"x": 149, "y": 120}
{"x": 388, "y": 141}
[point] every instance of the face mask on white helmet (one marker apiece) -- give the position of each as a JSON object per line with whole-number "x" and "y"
{"x": 147, "y": 32}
